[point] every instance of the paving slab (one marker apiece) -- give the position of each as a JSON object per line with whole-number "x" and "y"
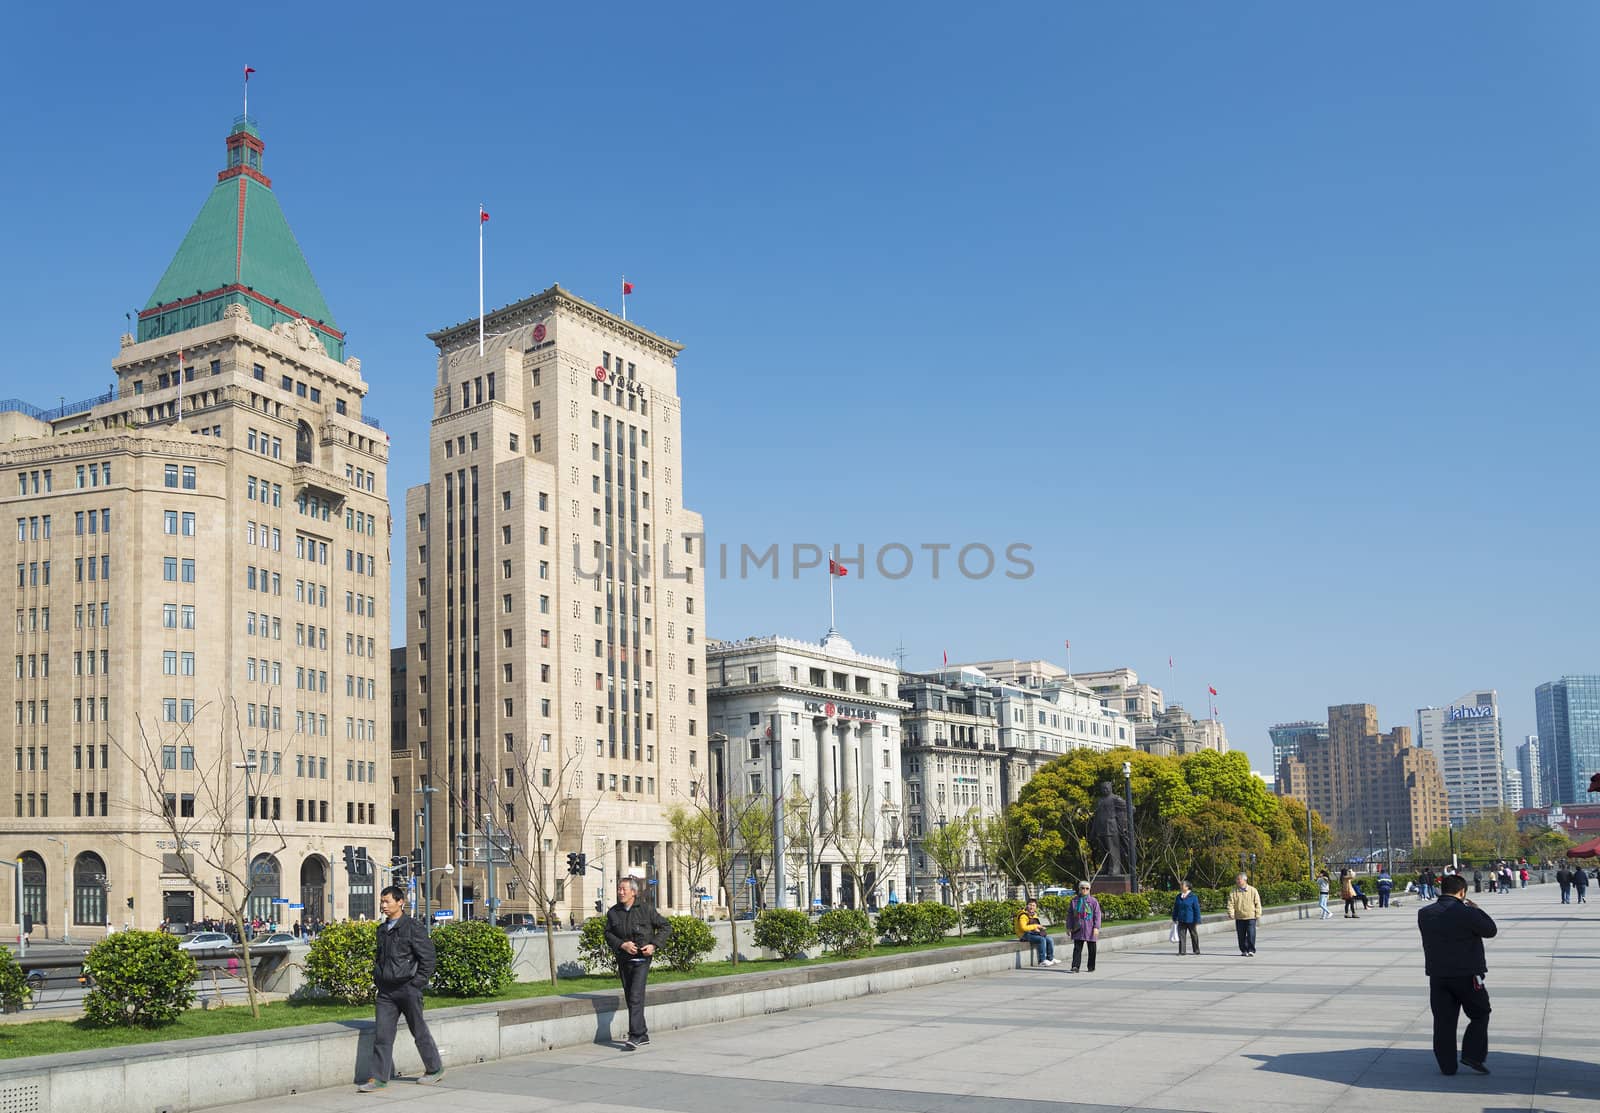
{"x": 1328, "y": 1016}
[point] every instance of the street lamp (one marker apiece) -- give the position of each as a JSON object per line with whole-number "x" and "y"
{"x": 426, "y": 792}
{"x": 66, "y": 891}
{"x": 1133, "y": 842}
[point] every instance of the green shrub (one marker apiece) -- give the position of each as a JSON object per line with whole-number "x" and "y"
{"x": 14, "y": 988}
{"x": 897, "y": 923}
{"x": 845, "y": 931}
{"x": 1213, "y": 900}
{"x": 474, "y": 959}
{"x": 340, "y": 961}
{"x": 141, "y": 979}
{"x": 934, "y": 921}
{"x": 992, "y": 917}
{"x": 1123, "y": 906}
{"x": 593, "y": 950}
{"x": 1055, "y": 908}
{"x": 788, "y": 931}
{"x": 691, "y": 940}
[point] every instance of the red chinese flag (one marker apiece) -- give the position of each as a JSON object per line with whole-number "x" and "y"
{"x": 248, "y": 70}
{"x": 836, "y": 569}
{"x": 1210, "y": 689}
{"x": 627, "y": 288}
{"x": 947, "y": 657}
{"x": 483, "y": 216}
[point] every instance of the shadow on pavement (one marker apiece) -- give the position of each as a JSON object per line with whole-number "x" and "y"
{"x": 1408, "y": 1069}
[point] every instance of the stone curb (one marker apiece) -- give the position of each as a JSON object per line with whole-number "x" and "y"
{"x": 180, "y": 1075}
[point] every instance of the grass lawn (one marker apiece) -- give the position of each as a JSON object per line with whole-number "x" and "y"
{"x": 50, "y": 1037}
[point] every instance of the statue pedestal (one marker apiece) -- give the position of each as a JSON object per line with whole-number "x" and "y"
{"x": 1112, "y": 883}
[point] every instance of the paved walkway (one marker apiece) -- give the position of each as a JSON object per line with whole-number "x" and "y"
{"x": 1328, "y": 1016}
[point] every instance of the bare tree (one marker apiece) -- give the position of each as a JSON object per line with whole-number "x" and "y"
{"x": 803, "y": 840}
{"x": 724, "y": 819}
{"x": 867, "y": 839}
{"x": 548, "y": 815}
{"x": 1004, "y": 848}
{"x": 213, "y": 838}
{"x": 755, "y": 841}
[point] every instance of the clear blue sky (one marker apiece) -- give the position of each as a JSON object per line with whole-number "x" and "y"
{"x": 1270, "y": 328}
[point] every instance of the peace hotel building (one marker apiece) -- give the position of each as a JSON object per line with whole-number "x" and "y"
{"x": 202, "y": 593}
{"x": 555, "y": 608}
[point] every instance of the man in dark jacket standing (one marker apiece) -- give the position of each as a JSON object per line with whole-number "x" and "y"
{"x": 1453, "y": 930}
{"x": 405, "y": 963}
{"x": 634, "y": 932}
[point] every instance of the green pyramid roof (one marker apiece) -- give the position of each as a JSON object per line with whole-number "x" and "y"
{"x": 240, "y": 249}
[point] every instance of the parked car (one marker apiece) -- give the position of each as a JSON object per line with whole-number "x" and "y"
{"x": 204, "y": 941}
{"x": 287, "y": 937}
{"x": 517, "y": 921}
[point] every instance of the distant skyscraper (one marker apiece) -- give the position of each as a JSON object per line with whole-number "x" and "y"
{"x": 1513, "y": 789}
{"x": 1465, "y": 737}
{"x": 1568, "y": 716}
{"x": 1286, "y": 739}
{"x": 1359, "y": 780}
{"x": 1530, "y": 767}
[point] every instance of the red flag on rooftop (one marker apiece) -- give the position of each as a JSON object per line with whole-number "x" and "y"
{"x": 837, "y": 569}
{"x": 627, "y": 287}
{"x": 1210, "y": 689}
{"x": 483, "y": 216}
{"x": 947, "y": 658}
{"x": 248, "y": 70}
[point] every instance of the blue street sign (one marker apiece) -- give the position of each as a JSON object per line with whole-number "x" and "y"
{"x": 653, "y": 881}
{"x": 280, "y": 900}
{"x": 297, "y": 906}
{"x": 444, "y": 914}
{"x": 749, "y": 881}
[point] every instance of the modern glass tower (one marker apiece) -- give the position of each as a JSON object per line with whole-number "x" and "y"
{"x": 1568, "y": 715}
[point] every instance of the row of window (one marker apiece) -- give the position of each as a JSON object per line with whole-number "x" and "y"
{"x": 175, "y": 476}
{"x": 362, "y": 647}
{"x": 314, "y": 507}
{"x": 172, "y": 567}
{"x": 86, "y": 521}
{"x": 314, "y": 595}
{"x": 363, "y": 605}
{"x": 256, "y": 490}
{"x": 363, "y": 478}
{"x": 170, "y": 520}
{"x": 264, "y": 443}
{"x": 94, "y": 475}
{"x": 270, "y": 537}
{"x": 363, "y": 564}
{"x": 24, "y": 478}
{"x": 35, "y": 528}
{"x": 361, "y": 522}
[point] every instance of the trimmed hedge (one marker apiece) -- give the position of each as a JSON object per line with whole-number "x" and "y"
{"x": 341, "y": 959}
{"x": 788, "y": 931}
{"x": 593, "y": 951}
{"x": 845, "y": 931}
{"x": 474, "y": 959}
{"x": 926, "y": 922}
{"x": 14, "y": 987}
{"x": 141, "y": 979}
{"x": 992, "y": 917}
{"x": 690, "y": 942}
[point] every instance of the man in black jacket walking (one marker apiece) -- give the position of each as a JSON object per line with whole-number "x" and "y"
{"x": 1453, "y": 930}
{"x": 405, "y": 963}
{"x": 634, "y": 931}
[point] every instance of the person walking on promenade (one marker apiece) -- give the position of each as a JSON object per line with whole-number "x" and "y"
{"x": 1083, "y": 918}
{"x": 405, "y": 963}
{"x": 1425, "y": 882}
{"x": 1347, "y": 893}
{"x": 1564, "y": 880}
{"x": 1031, "y": 930}
{"x": 1580, "y": 883}
{"x": 635, "y": 930}
{"x": 1453, "y": 931}
{"x": 1523, "y": 873}
{"x": 1324, "y": 887}
{"x": 1186, "y": 914}
{"x": 1244, "y": 909}
{"x": 1385, "y": 887}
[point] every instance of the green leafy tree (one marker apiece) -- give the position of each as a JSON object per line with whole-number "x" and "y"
{"x": 755, "y": 841}
{"x": 593, "y": 950}
{"x": 692, "y": 839}
{"x": 947, "y": 844}
{"x": 141, "y": 980}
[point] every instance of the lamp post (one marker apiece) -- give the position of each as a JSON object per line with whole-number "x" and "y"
{"x": 66, "y": 891}
{"x": 426, "y": 792}
{"x": 249, "y": 806}
{"x": 1133, "y": 842}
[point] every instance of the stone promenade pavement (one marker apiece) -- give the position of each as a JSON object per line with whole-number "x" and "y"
{"x": 1328, "y": 1016}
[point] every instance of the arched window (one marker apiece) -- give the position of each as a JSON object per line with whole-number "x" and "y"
{"x": 266, "y": 877}
{"x": 89, "y": 885}
{"x": 33, "y": 883}
{"x": 302, "y": 444}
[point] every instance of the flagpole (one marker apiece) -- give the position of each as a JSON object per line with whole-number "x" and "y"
{"x": 247, "y": 94}
{"x": 831, "y": 624}
{"x": 625, "y": 317}
{"x": 480, "y": 281}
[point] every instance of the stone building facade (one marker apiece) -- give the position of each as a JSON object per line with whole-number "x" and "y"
{"x": 202, "y": 599}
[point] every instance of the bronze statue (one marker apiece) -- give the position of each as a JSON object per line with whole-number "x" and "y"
{"x": 1111, "y": 832}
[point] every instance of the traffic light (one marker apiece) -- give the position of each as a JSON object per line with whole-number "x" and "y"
{"x": 350, "y": 859}
{"x": 362, "y": 863}
{"x": 416, "y": 861}
{"x": 572, "y": 864}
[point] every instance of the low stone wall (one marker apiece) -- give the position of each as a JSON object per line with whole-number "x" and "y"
{"x": 193, "y": 1074}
